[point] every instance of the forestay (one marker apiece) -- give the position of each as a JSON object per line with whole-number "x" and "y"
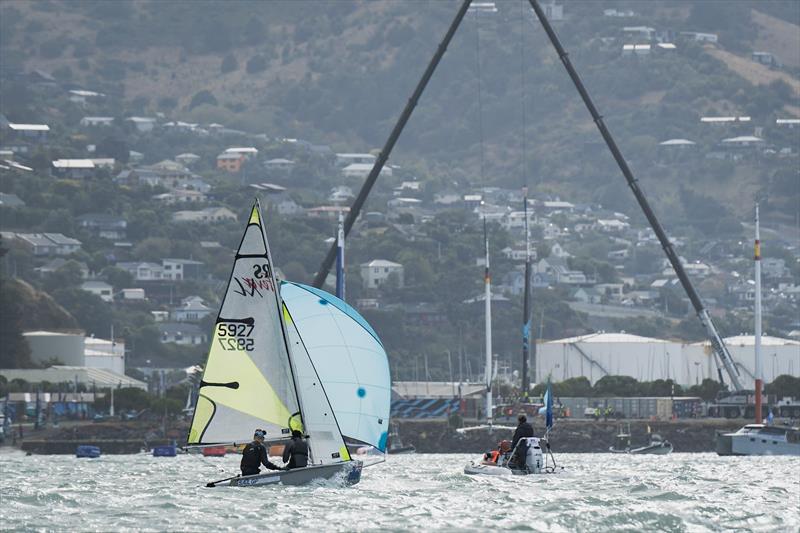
{"x": 350, "y": 359}
{"x": 247, "y": 382}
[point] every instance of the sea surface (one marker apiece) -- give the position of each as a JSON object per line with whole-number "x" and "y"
{"x": 594, "y": 492}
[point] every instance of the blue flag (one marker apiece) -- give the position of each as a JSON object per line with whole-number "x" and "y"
{"x": 547, "y": 410}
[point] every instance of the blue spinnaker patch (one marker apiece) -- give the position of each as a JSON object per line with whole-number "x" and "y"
{"x": 340, "y": 304}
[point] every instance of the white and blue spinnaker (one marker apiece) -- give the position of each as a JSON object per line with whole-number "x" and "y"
{"x": 348, "y": 357}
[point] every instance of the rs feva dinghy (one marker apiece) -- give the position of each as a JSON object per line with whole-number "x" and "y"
{"x": 260, "y": 372}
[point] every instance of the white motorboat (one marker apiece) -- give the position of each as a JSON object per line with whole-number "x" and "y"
{"x": 759, "y": 439}
{"x": 535, "y": 462}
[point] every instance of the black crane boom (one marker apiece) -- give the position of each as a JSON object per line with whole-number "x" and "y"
{"x": 720, "y": 350}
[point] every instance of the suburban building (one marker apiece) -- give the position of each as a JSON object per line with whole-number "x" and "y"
{"x": 99, "y": 288}
{"x": 192, "y": 309}
{"x": 49, "y": 243}
{"x": 376, "y": 272}
{"x": 279, "y": 165}
{"x": 104, "y": 225}
{"x": 93, "y": 122}
{"x": 348, "y": 159}
{"x": 181, "y": 333}
{"x": 73, "y": 168}
{"x": 181, "y": 269}
{"x": 362, "y": 170}
{"x": 230, "y": 162}
{"x": 209, "y": 215}
{"x": 75, "y": 349}
{"x": 35, "y": 132}
{"x": 142, "y": 271}
{"x": 142, "y": 124}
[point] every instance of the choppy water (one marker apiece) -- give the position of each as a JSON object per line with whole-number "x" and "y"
{"x": 601, "y": 492}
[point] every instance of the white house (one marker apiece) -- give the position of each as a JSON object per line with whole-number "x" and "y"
{"x": 376, "y": 272}
{"x": 99, "y": 288}
{"x": 191, "y": 310}
{"x": 91, "y": 122}
{"x": 209, "y": 214}
{"x": 181, "y": 333}
{"x": 142, "y": 271}
{"x": 348, "y": 159}
{"x": 142, "y": 124}
{"x": 279, "y": 164}
{"x": 362, "y": 170}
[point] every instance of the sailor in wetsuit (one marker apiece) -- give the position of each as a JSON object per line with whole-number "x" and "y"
{"x": 255, "y": 454}
{"x": 296, "y": 452}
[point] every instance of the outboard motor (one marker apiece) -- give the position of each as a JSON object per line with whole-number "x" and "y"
{"x": 534, "y": 459}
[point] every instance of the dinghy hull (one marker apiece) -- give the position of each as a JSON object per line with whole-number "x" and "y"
{"x": 349, "y": 471}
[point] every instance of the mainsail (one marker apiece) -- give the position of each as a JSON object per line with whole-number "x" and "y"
{"x": 350, "y": 359}
{"x": 247, "y": 382}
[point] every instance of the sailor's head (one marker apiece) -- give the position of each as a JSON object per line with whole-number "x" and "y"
{"x": 297, "y": 433}
{"x": 505, "y": 445}
{"x": 522, "y": 418}
{"x": 259, "y": 435}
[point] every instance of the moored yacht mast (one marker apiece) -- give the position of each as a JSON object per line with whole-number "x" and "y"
{"x": 757, "y": 332}
{"x": 487, "y": 280}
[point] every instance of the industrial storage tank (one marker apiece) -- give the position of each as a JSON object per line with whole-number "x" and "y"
{"x": 46, "y": 346}
{"x": 599, "y": 354}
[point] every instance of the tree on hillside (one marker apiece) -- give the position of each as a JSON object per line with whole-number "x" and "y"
{"x": 202, "y": 97}
{"x": 256, "y": 64}
{"x": 15, "y": 352}
{"x": 91, "y": 312}
{"x": 229, "y": 64}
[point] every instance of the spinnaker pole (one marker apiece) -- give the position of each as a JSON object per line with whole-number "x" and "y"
{"x": 757, "y": 332}
{"x": 720, "y": 350}
{"x": 355, "y": 209}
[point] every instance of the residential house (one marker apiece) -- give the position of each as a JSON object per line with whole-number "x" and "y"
{"x": 132, "y": 294}
{"x": 376, "y": 272}
{"x": 209, "y": 214}
{"x": 73, "y": 168}
{"x": 635, "y": 49}
{"x": 515, "y": 220}
{"x": 362, "y": 170}
{"x": 612, "y": 291}
{"x": 94, "y": 122}
{"x": 187, "y": 159}
{"x": 34, "y": 132}
{"x": 49, "y": 243}
{"x": 639, "y": 34}
{"x": 446, "y": 198}
{"x": 279, "y": 165}
{"x": 180, "y": 196}
{"x": 587, "y": 295}
{"x": 611, "y": 225}
{"x": 348, "y": 159}
{"x": 248, "y": 152}
{"x": 99, "y": 288}
{"x": 341, "y": 194}
{"x": 182, "y": 269}
{"x": 552, "y": 231}
{"x": 230, "y": 162}
{"x": 408, "y": 188}
{"x": 104, "y": 225}
{"x": 556, "y": 250}
{"x": 10, "y": 200}
{"x": 327, "y": 211}
{"x": 701, "y": 37}
{"x": 192, "y": 309}
{"x": 773, "y": 267}
{"x": 80, "y": 96}
{"x": 285, "y": 205}
{"x": 142, "y": 271}
{"x": 181, "y": 333}
{"x": 142, "y": 124}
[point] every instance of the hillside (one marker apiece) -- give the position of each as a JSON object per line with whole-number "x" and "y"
{"x": 340, "y": 72}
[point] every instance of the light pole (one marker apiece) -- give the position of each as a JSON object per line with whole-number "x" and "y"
{"x": 697, "y": 372}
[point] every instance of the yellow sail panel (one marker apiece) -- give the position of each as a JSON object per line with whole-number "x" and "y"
{"x": 203, "y": 412}
{"x": 255, "y": 217}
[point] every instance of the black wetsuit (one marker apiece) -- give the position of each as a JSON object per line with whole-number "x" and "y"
{"x": 524, "y": 429}
{"x": 296, "y": 453}
{"x": 253, "y": 456}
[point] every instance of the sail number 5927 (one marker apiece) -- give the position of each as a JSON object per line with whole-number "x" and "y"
{"x": 235, "y": 336}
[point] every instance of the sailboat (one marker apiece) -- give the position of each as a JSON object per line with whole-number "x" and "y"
{"x": 260, "y": 371}
{"x": 758, "y": 438}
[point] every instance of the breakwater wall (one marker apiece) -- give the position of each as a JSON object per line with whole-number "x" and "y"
{"x": 68, "y": 447}
{"x": 568, "y": 436}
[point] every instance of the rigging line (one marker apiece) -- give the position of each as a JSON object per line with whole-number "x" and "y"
{"x": 480, "y": 100}
{"x": 524, "y": 117}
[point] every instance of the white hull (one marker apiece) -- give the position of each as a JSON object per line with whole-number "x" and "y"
{"x": 349, "y": 471}
{"x": 474, "y": 469}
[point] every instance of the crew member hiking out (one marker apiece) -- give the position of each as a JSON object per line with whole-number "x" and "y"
{"x": 255, "y": 454}
{"x": 296, "y": 452}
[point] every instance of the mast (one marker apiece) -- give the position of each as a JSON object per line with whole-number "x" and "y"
{"x": 526, "y": 307}
{"x": 340, "y": 281}
{"x": 284, "y": 331}
{"x": 757, "y": 332}
{"x": 721, "y": 353}
{"x": 487, "y": 280}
